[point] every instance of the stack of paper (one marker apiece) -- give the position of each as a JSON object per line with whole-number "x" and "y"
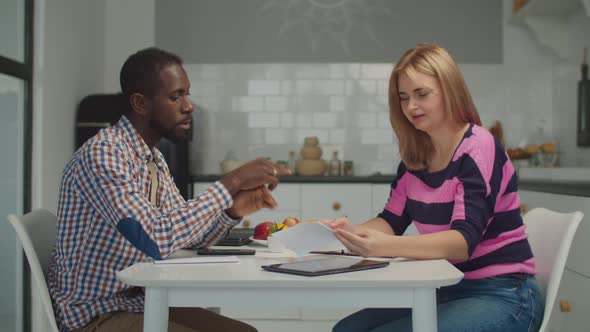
{"x": 309, "y": 236}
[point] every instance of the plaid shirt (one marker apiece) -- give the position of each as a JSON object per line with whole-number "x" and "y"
{"x": 106, "y": 223}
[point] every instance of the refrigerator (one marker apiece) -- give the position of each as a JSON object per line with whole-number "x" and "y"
{"x": 99, "y": 111}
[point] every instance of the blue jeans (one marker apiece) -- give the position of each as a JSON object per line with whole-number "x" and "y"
{"x": 503, "y": 303}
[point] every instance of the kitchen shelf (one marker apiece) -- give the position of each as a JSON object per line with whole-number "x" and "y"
{"x": 549, "y": 21}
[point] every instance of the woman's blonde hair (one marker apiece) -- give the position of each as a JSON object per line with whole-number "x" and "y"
{"x": 415, "y": 146}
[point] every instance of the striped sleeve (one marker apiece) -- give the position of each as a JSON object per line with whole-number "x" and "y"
{"x": 395, "y": 213}
{"x": 472, "y": 210}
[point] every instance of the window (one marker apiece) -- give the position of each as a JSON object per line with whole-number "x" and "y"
{"x": 16, "y": 63}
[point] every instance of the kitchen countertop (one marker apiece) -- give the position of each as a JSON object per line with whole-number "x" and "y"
{"x": 559, "y": 180}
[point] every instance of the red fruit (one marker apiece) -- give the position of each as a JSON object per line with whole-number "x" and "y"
{"x": 262, "y": 230}
{"x": 290, "y": 221}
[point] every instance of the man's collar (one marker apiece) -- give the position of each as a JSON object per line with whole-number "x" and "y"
{"x": 137, "y": 142}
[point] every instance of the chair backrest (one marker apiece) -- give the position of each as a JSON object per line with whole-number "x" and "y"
{"x": 551, "y": 235}
{"x": 36, "y": 231}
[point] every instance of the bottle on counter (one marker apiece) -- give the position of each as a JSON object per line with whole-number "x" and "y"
{"x": 334, "y": 168}
{"x": 348, "y": 169}
{"x": 291, "y": 162}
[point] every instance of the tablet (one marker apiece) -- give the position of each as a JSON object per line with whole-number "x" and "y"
{"x": 325, "y": 265}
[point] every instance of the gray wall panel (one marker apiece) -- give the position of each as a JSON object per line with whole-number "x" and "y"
{"x": 318, "y": 31}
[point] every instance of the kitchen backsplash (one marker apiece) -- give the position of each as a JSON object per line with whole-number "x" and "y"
{"x": 265, "y": 110}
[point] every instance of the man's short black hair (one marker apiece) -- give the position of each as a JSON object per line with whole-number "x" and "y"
{"x": 141, "y": 71}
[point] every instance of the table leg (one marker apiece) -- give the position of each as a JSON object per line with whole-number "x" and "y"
{"x": 424, "y": 310}
{"x": 155, "y": 318}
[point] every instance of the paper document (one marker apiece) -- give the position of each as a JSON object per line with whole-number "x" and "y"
{"x": 308, "y": 236}
{"x": 199, "y": 260}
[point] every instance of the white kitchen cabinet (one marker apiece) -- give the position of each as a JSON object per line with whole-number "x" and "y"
{"x": 572, "y": 307}
{"x": 359, "y": 202}
{"x": 274, "y": 325}
{"x": 380, "y": 194}
{"x": 575, "y": 293}
{"x": 262, "y": 312}
{"x": 288, "y": 196}
{"x": 320, "y": 201}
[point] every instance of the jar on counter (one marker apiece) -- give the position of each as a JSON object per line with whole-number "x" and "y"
{"x": 348, "y": 168}
{"x": 291, "y": 162}
{"x": 542, "y": 148}
{"x": 334, "y": 168}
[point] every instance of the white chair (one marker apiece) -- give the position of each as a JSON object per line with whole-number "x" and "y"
{"x": 36, "y": 230}
{"x": 550, "y": 235}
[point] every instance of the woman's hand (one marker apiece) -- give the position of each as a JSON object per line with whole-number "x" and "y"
{"x": 366, "y": 242}
{"x": 249, "y": 201}
{"x": 339, "y": 223}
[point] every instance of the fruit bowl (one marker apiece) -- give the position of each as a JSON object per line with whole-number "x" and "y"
{"x": 260, "y": 242}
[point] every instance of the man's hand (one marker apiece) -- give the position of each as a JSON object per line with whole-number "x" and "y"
{"x": 259, "y": 172}
{"x": 250, "y": 201}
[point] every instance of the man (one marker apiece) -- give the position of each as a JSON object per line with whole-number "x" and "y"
{"x": 118, "y": 205}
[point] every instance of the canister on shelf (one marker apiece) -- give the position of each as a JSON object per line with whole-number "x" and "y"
{"x": 348, "y": 168}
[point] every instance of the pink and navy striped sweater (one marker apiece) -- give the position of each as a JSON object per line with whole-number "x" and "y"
{"x": 475, "y": 195}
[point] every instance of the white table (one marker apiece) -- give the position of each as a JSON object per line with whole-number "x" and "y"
{"x": 409, "y": 284}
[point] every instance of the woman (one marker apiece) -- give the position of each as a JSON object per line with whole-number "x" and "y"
{"x": 458, "y": 187}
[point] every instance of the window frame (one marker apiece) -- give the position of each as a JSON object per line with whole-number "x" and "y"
{"x": 24, "y": 72}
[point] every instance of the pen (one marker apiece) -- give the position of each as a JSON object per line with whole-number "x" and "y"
{"x": 334, "y": 252}
{"x": 342, "y": 253}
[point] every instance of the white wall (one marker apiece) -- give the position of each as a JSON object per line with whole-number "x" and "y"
{"x": 71, "y": 66}
{"x": 80, "y": 50}
{"x": 129, "y": 27}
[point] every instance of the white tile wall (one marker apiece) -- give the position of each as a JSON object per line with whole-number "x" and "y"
{"x": 266, "y": 110}
{"x": 264, "y": 88}
{"x": 275, "y": 104}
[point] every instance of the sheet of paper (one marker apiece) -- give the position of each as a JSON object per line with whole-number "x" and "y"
{"x": 199, "y": 260}
{"x": 308, "y": 236}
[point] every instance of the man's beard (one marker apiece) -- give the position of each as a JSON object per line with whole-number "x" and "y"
{"x": 178, "y": 135}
